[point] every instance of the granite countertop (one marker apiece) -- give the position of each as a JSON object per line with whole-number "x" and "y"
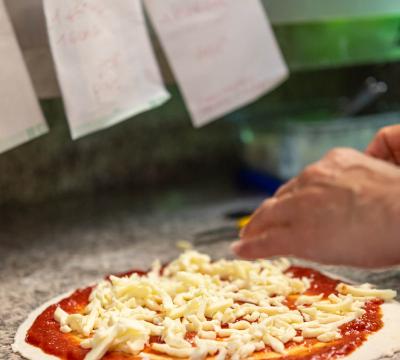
{"x": 53, "y": 248}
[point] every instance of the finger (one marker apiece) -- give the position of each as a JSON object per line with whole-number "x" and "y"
{"x": 379, "y": 149}
{"x": 386, "y": 144}
{"x": 314, "y": 173}
{"x": 277, "y": 241}
{"x": 272, "y": 213}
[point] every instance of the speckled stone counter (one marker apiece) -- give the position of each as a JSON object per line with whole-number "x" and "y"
{"x": 56, "y": 247}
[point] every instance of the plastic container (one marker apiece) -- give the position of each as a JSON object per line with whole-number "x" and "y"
{"x": 316, "y": 34}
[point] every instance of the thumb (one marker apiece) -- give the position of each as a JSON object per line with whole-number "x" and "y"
{"x": 274, "y": 212}
{"x": 276, "y": 241}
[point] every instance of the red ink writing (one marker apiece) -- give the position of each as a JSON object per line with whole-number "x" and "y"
{"x": 75, "y": 36}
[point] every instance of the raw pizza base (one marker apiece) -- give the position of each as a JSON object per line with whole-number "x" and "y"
{"x": 383, "y": 344}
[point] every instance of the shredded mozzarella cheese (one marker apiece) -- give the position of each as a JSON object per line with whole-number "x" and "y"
{"x": 235, "y": 308}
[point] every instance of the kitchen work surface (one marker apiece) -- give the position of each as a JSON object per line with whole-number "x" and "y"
{"x": 57, "y": 247}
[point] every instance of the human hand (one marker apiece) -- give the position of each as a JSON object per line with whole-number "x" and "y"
{"x": 344, "y": 209}
{"x": 386, "y": 145}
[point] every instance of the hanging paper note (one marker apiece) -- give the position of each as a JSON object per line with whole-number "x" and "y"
{"x": 223, "y": 52}
{"x": 105, "y": 64}
{"x": 27, "y": 18}
{"x": 20, "y": 116}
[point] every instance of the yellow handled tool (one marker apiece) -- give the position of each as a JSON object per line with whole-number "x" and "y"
{"x": 242, "y": 222}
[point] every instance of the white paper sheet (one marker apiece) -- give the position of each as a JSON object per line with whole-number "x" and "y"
{"x": 21, "y": 118}
{"x": 223, "y": 52}
{"x": 105, "y": 64}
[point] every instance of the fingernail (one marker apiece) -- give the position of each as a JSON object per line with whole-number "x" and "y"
{"x": 235, "y": 247}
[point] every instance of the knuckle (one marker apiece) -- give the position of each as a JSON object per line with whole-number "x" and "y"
{"x": 267, "y": 203}
{"x": 336, "y": 152}
{"x": 340, "y": 153}
{"x": 284, "y": 189}
{"x": 311, "y": 172}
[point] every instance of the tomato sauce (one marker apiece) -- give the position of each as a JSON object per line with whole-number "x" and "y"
{"x": 320, "y": 284}
{"x": 353, "y": 334}
{"x": 45, "y": 334}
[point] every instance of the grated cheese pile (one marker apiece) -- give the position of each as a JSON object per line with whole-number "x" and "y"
{"x": 235, "y": 308}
